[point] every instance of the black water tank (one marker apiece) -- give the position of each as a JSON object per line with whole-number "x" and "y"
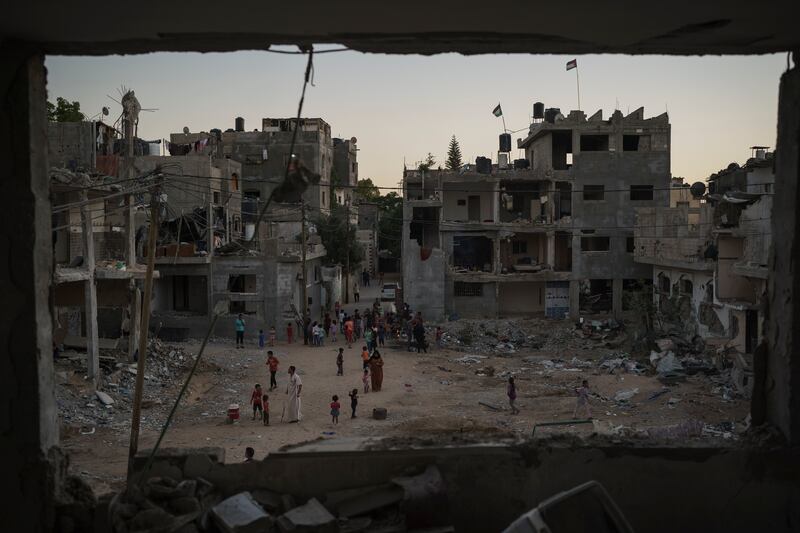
{"x": 538, "y": 110}
{"x": 505, "y": 142}
{"x": 483, "y": 164}
{"x": 521, "y": 164}
{"x": 239, "y": 124}
{"x": 550, "y": 114}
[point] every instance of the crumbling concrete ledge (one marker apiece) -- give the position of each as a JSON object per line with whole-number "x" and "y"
{"x": 489, "y": 484}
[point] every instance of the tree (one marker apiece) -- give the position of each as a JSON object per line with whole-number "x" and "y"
{"x": 453, "y": 155}
{"x": 339, "y": 238}
{"x": 428, "y": 163}
{"x": 367, "y": 191}
{"x": 64, "y": 111}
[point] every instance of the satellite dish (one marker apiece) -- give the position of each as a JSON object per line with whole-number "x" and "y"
{"x": 186, "y": 130}
{"x": 105, "y": 111}
{"x": 353, "y": 140}
{"x": 698, "y": 189}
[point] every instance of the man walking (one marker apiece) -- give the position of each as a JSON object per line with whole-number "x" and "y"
{"x": 293, "y": 392}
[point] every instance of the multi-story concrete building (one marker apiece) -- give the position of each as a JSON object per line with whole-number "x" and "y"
{"x": 344, "y": 176}
{"x": 710, "y": 262}
{"x": 550, "y": 234}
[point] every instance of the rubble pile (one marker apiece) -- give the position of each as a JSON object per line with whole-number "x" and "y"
{"x": 111, "y": 404}
{"x": 192, "y": 504}
{"x": 508, "y": 336}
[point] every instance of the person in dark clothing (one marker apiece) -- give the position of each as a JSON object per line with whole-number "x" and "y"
{"x": 419, "y": 336}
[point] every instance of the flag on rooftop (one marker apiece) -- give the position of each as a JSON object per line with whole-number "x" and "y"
{"x": 572, "y": 64}
{"x": 497, "y": 111}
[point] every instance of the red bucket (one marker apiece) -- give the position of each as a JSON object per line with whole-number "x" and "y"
{"x": 233, "y": 412}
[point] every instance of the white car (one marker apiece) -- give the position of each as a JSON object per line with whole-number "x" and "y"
{"x": 389, "y": 291}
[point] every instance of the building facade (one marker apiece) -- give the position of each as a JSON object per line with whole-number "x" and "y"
{"x": 550, "y": 234}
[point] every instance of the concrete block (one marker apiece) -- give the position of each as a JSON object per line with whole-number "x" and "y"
{"x": 355, "y": 502}
{"x": 288, "y": 503}
{"x": 379, "y": 413}
{"x": 104, "y": 398}
{"x": 240, "y": 514}
{"x": 309, "y": 517}
{"x": 272, "y": 502}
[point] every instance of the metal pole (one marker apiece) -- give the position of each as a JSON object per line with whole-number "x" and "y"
{"x": 578, "y": 81}
{"x": 145, "y": 325}
{"x": 303, "y": 294}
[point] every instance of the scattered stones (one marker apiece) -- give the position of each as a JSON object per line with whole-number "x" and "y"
{"x": 240, "y": 514}
{"x": 312, "y": 516}
{"x": 104, "y": 398}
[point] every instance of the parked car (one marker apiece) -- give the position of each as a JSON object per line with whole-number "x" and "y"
{"x": 389, "y": 291}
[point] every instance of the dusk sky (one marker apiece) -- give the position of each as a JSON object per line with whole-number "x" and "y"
{"x": 401, "y": 107}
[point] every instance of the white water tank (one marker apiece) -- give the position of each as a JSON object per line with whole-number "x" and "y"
{"x": 155, "y": 148}
{"x": 502, "y": 160}
{"x": 249, "y": 231}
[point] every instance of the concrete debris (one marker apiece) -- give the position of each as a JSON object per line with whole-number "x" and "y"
{"x": 425, "y": 499}
{"x": 104, "y": 398}
{"x": 361, "y": 501}
{"x": 625, "y": 395}
{"x": 240, "y": 514}
{"x": 312, "y": 516}
{"x": 469, "y": 359}
{"x": 668, "y": 363}
{"x": 379, "y": 413}
{"x": 272, "y": 502}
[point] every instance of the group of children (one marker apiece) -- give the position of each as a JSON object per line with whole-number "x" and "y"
{"x": 263, "y": 340}
{"x": 260, "y": 403}
{"x": 336, "y": 406}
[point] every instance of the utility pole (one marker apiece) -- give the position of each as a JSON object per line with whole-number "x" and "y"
{"x": 145, "y": 325}
{"x": 347, "y": 252}
{"x": 303, "y": 294}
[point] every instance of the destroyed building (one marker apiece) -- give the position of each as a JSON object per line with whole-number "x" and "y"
{"x": 549, "y": 234}
{"x": 710, "y": 260}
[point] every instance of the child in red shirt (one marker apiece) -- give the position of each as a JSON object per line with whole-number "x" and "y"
{"x": 335, "y": 406}
{"x": 255, "y": 400}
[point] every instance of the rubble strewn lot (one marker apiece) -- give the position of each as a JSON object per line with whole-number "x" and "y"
{"x": 454, "y": 392}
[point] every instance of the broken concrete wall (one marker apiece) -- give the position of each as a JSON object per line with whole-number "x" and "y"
{"x": 71, "y": 145}
{"x": 469, "y": 297}
{"x": 517, "y": 298}
{"x": 750, "y": 489}
{"x": 424, "y": 279}
{"x": 467, "y": 201}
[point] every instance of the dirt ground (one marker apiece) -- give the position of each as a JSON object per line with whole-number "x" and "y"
{"x": 427, "y": 395}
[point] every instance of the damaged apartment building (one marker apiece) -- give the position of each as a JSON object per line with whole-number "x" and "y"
{"x": 254, "y": 263}
{"x": 710, "y": 255}
{"x": 550, "y": 234}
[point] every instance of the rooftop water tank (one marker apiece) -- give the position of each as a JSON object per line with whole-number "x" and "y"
{"x": 538, "y": 110}
{"x": 239, "y": 124}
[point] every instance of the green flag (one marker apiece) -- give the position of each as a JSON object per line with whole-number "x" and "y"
{"x": 497, "y": 111}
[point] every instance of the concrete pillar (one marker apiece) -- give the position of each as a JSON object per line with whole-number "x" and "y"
{"x": 28, "y": 424}
{"x": 496, "y": 266}
{"x": 550, "y": 257}
{"x": 776, "y": 397}
{"x": 616, "y": 298}
{"x": 574, "y": 299}
{"x": 90, "y": 294}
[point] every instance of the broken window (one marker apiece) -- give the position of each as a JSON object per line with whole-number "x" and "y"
{"x": 630, "y": 244}
{"x": 687, "y": 287}
{"x": 189, "y": 294}
{"x": 242, "y": 283}
{"x": 563, "y": 251}
{"x": 595, "y": 296}
{"x": 641, "y": 192}
{"x": 595, "y": 244}
{"x": 635, "y": 143}
{"x": 594, "y": 192}
{"x": 562, "y": 149}
{"x": 461, "y": 201}
{"x": 216, "y": 197}
{"x": 472, "y": 253}
{"x": 461, "y": 288}
{"x": 519, "y": 247}
{"x": 594, "y": 143}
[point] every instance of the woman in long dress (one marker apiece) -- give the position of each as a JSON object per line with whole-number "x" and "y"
{"x": 293, "y": 390}
{"x": 376, "y": 370}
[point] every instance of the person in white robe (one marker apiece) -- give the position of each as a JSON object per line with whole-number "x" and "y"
{"x": 293, "y": 391}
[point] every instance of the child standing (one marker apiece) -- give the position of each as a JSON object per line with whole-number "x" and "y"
{"x": 582, "y": 403}
{"x": 439, "y": 334}
{"x": 353, "y": 402}
{"x": 512, "y": 395}
{"x": 334, "y": 328}
{"x": 340, "y": 362}
{"x": 289, "y": 333}
{"x": 255, "y": 400}
{"x": 321, "y": 335}
{"x": 272, "y": 364}
{"x": 272, "y": 336}
{"x": 265, "y": 402}
{"x": 365, "y": 379}
{"x": 261, "y": 338}
{"x": 365, "y": 356}
{"x": 335, "y": 406}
